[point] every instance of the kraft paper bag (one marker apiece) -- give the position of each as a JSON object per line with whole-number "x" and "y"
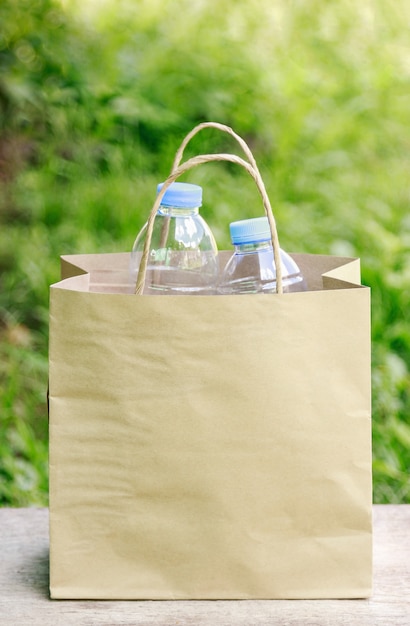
{"x": 210, "y": 447}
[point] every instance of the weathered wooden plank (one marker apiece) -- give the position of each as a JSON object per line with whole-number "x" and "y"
{"x": 24, "y": 595}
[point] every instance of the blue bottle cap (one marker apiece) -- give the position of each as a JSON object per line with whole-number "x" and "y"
{"x": 250, "y": 231}
{"x": 182, "y": 195}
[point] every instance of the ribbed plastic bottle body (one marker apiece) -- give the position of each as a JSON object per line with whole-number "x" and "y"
{"x": 252, "y": 269}
{"x": 183, "y": 257}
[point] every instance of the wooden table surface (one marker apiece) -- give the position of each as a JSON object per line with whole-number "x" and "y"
{"x": 24, "y": 598}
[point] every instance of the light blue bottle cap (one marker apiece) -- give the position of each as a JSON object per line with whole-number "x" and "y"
{"x": 250, "y": 231}
{"x": 182, "y": 195}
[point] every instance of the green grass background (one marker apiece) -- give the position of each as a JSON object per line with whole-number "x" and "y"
{"x": 96, "y": 97}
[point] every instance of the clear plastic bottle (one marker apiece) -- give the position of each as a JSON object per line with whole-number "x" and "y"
{"x": 251, "y": 268}
{"x": 183, "y": 256}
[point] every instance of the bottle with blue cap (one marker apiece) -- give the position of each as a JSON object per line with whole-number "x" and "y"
{"x": 183, "y": 256}
{"x": 251, "y": 268}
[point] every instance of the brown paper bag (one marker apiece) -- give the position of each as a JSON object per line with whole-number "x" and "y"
{"x": 213, "y": 446}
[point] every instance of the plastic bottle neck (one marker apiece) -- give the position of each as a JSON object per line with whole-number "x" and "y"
{"x": 173, "y": 211}
{"x": 251, "y": 248}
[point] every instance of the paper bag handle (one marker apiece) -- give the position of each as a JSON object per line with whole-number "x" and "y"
{"x": 178, "y": 169}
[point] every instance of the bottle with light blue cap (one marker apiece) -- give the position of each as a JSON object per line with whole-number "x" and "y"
{"x": 251, "y": 268}
{"x": 183, "y": 256}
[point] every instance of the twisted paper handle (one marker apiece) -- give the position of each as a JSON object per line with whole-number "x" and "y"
{"x": 178, "y": 169}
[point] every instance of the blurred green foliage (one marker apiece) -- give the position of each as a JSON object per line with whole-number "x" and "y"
{"x": 96, "y": 97}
